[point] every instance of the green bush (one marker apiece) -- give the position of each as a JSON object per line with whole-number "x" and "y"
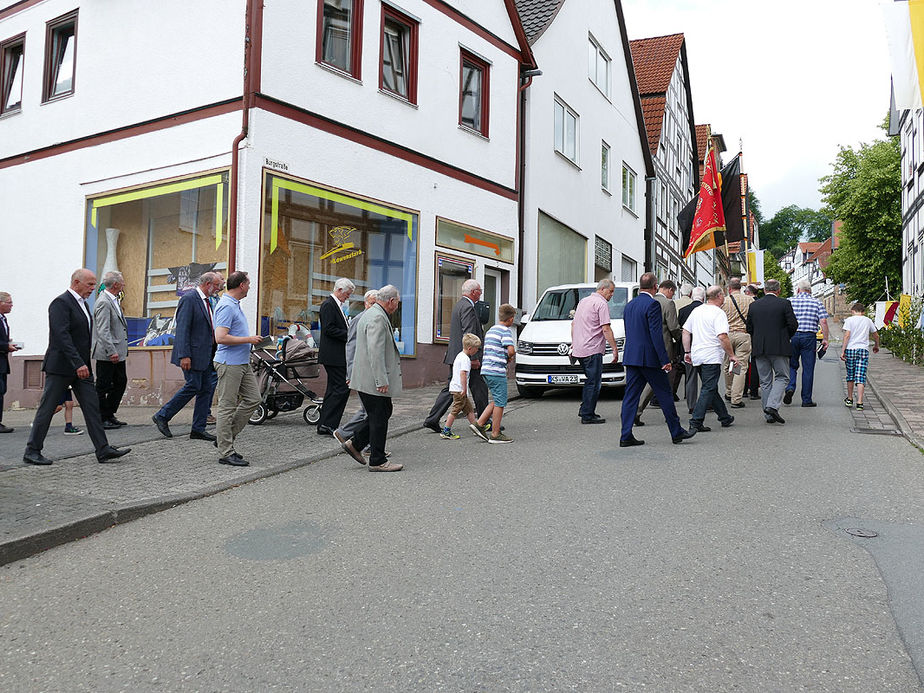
{"x": 906, "y": 342}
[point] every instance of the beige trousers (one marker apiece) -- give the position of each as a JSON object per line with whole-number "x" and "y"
{"x": 238, "y": 396}
{"x": 735, "y": 384}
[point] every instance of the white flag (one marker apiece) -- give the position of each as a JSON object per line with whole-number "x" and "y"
{"x": 904, "y": 21}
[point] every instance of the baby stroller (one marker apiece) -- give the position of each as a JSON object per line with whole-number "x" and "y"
{"x": 279, "y": 377}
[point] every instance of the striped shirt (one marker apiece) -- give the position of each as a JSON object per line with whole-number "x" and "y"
{"x": 809, "y": 311}
{"x": 496, "y": 341}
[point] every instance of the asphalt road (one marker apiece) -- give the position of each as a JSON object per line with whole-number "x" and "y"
{"x": 561, "y": 562}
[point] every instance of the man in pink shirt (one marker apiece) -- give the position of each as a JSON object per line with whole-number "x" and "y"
{"x": 590, "y": 331}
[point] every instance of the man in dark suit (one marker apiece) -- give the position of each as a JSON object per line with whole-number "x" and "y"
{"x": 193, "y": 351}
{"x": 691, "y": 383}
{"x": 464, "y": 320}
{"x": 6, "y": 348}
{"x": 332, "y": 354}
{"x": 771, "y": 324}
{"x": 67, "y": 364}
{"x": 670, "y": 329}
{"x": 646, "y": 361}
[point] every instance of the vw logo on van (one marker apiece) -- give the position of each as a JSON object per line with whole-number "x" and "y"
{"x": 563, "y": 349}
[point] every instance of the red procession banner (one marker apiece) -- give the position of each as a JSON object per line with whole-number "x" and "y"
{"x": 709, "y": 218}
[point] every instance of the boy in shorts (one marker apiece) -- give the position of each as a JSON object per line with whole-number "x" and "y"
{"x": 855, "y": 352}
{"x": 458, "y": 386}
{"x": 498, "y": 350}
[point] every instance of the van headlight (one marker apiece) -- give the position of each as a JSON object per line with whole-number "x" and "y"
{"x": 524, "y": 347}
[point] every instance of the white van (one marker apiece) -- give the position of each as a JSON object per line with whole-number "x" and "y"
{"x": 542, "y": 359}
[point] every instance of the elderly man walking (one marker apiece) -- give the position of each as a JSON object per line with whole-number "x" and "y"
{"x": 706, "y": 345}
{"x": 6, "y": 348}
{"x": 332, "y": 355}
{"x": 691, "y": 379}
{"x": 670, "y": 331}
{"x": 110, "y": 349}
{"x": 736, "y": 308}
{"x": 376, "y": 376}
{"x": 360, "y": 419}
{"x": 771, "y": 324}
{"x": 590, "y": 332}
{"x": 811, "y": 315}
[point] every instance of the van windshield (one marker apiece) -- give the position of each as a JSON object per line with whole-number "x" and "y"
{"x": 560, "y": 303}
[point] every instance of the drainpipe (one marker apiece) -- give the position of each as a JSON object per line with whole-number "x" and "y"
{"x": 650, "y": 211}
{"x": 521, "y": 205}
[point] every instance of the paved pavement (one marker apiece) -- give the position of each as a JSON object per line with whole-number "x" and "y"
{"x": 42, "y": 507}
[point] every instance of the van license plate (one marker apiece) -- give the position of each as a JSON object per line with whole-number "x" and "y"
{"x": 563, "y": 379}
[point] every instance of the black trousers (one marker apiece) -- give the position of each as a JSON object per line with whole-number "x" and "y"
{"x": 110, "y": 386}
{"x": 2, "y": 392}
{"x": 476, "y": 385}
{"x": 335, "y": 397}
{"x": 85, "y": 392}
{"x": 374, "y": 435}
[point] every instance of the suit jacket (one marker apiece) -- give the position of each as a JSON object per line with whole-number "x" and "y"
{"x": 644, "y": 333}
{"x": 110, "y": 331}
{"x": 684, "y": 313}
{"x": 351, "y": 343}
{"x": 195, "y": 336}
{"x": 464, "y": 320}
{"x": 670, "y": 328}
{"x": 68, "y": 337}
{"x": 377, "y": 361}
{"x": 771, "y": 323}
{"x": 4, "y": 349}
{"x": 334, "y": 333}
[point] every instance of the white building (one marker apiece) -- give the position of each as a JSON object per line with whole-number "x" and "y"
{"x": 909, "y": 125}
{"x": 373, "y": 140}
{"x": 804, "y": 263}
{"x": 587, "y": 158}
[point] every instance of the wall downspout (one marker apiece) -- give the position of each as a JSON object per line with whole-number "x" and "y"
{"x": 650, "y": 211}
{"x": 521, "y": 202}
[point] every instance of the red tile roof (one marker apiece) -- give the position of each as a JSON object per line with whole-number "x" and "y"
{"x": 702, "y": 140}
{"x": 654, "y": 60}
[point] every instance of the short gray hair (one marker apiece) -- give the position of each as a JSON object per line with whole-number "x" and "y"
{"x": 606, "y": 284}
{"x": 773, "y": 286}
{"x": 371, "y": 295}
{"x": 698, "y": 293}
{"x": 470, "y": 285}
{"x": 207, "y": 278}
{"x": 713, "y": 292}
{"x": 686, "y": 289}
{"x": 112, "y": 277}
{"x": 387, "y": 293}
{"x": 804, "y": 285}
{"x": 344, "y": 284}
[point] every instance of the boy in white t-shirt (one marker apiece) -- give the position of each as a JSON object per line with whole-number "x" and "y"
{"x": 458, "y": 386}
{"x": 855, "y": 352}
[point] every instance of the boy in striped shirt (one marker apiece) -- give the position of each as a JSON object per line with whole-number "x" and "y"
{"x": 498, "y": 350}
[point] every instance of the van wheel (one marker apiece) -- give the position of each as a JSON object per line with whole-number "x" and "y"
{"x": 529, "y": 392}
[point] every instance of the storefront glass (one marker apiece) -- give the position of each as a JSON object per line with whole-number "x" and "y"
{"x": 313, "y": 235}
{"x": 451, "y": 274}
{"x": 562, "y": 254}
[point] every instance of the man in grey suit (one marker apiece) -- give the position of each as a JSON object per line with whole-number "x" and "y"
{"x": 376, "y": 376}
{"x": 110, "y": 349}
{"x": 672, "y": 332}
{"x": 464, "y": 320}
{"x": 360, "y": 419}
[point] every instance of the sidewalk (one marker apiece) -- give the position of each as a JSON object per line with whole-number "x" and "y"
{"x": 42, "y": 507}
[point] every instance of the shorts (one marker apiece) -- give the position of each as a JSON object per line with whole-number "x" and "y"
{"x": 66, "y": 397}
{"x": 461, "y": 405}
{"x": 497, "y": 384}
{"x": 857, "y": 363}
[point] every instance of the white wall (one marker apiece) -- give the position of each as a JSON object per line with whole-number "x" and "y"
{"x": 135, "y": 60}
{"x": 572, "y": 194}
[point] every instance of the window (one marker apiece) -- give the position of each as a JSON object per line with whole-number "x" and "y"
{"x": 60, "y": 56}
{"x": 598, "y": 67}
{"x": 629, "y": 269}
{"x": 605, "y": 165}
{"x": 11, "y": 67}
{"x": 566, "y": 130}
{"x": 473, "y": 94}
{"x": 451, "y": 273}
{"x": 340, "y": 35}
{"x": 398, "y": 70}
{"x": 628, "y": 188}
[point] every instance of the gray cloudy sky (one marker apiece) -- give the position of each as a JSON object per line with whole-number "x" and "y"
{"x": 811, "y": 75}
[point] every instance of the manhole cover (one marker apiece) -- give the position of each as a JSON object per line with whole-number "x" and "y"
{"x": 862, "y": 533}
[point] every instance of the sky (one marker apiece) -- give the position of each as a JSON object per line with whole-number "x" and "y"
{"x": 810, "y": 76}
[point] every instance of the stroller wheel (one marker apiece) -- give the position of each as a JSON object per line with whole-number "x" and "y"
{"x": 312, "y": 414}
{"x": 259, "y": 415}
{"x": 272, "y": 414}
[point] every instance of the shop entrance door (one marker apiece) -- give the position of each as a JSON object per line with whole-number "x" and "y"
{"x": 492, "y": 295}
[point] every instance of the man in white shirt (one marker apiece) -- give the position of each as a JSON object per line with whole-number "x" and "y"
{"x": 706, "y": 345}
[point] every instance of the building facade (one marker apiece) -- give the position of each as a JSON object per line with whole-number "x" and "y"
{"x": 910, "y": 126}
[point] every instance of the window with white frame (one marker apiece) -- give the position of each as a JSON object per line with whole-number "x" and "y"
{"x": 628, "y": 188}
{"x": 566, "y": 130}
{"x": 605, "y": 165}
{"x": 598, "y": 66}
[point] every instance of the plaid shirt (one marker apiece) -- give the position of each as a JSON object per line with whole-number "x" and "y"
{"x": 809, "y": 311}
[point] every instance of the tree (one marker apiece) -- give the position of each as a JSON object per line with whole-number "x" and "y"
{"x": 791, "y": 225}
{"x": 754, "y": 206}
{"x": 864, "y": 193}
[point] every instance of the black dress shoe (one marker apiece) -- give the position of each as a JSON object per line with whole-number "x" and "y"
{"x": 630, "y": 442}
{"x": 110, "y": 426}
{"x": 35, "y": 457}
{"x": 162, "y": 426}
{"x": 325, "y": 431}
{"x": 774, "y": 415}
{"x": 202, "y": 435}
{"x": 5, "y": 429}
{"x": 117, "y": 422}
{"x": 234, "y": 460}
{"x": 753, "y": 396}
{"x": 809, "y": 404}
{"x": 737, "y": 405}
{"x": 638, "y": 421}
{"x": 727, "y": 398}
{"x": 110, "y": 453}
{"x": 728, "y": 422}
{"x": 595, "y": 420}
{"x": 435, "y": 427}
{"x": 686, "y": 435}
{"x": 700, "y": 428}
{"x": 787, "y": 396}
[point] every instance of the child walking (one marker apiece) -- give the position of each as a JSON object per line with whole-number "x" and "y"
{"x": 855, "y": 352}
{"x": 458, "y": 387}
{"x": 498, "y": 350}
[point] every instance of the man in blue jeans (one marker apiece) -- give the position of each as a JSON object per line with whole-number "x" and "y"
{"x": 811, "y": 315}
{"x": 590, "y": 330}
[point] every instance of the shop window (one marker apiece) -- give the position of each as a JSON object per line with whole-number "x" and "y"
{"x": 11, "y": 69}
{"x": 473, "y": 94}
{"x": 562, "y": 254}
{"x": 566, "y": 130}
{"x": 451, "y": 274}
{"x": 60, "y": 56}
{"x": 398, "y": 69}
{"x": 472, "y": 240}
{"x": 340, "y": 34}
{"x": 161, "y": 238}
{"x": 313, "y": 235}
